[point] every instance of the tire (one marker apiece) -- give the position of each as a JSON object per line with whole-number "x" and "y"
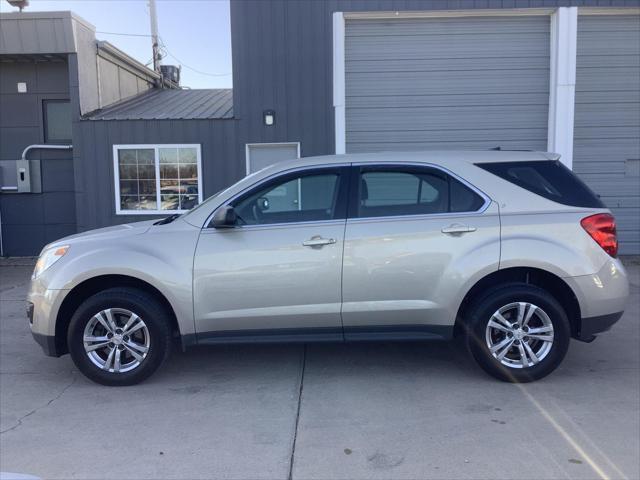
{"x": 136, "y": 355}
{"x": 544, "y": 347}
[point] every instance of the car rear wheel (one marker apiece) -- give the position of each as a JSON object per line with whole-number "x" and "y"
{"x": 119, "y": 336}
{"x": 517, "y": 332}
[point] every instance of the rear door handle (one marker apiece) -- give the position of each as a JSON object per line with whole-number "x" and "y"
{"x": 458, "y": 229}
{"x": 318, "y": 242}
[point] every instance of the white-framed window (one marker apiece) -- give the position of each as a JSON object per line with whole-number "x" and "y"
{"x": 157, "y": 179}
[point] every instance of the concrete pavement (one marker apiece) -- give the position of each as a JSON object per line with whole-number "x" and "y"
{"x": 355, "y": 411}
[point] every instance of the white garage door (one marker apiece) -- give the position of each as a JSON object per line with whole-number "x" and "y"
{"x": 454, "y": 83}
{"x": 607, "y": 117}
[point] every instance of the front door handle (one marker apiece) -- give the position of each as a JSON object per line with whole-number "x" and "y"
{"x": 318, "y": 241}
{"x": 457, "y": 229}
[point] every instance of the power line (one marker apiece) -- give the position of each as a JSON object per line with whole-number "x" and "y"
{"x": 124, "y": 34}
{"x": 164, "y": 47}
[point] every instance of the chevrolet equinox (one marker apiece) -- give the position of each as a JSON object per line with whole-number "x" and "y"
{"x": 506, "y": 250}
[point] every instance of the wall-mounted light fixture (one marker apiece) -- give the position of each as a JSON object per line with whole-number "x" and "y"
{"x": 269, "y": 117}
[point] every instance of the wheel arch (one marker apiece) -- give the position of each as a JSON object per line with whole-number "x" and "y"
{"x": 544, "y": 279}
{"x": 93, "y": 285}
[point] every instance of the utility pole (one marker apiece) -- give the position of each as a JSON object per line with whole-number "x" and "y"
{"x": 154, "y": 35}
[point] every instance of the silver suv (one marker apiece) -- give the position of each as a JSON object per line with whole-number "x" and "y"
{"x": 506, "y": 250}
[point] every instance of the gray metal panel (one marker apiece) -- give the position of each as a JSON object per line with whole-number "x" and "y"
{"x": 447, "y": 83}
{"x": 93, "y": 160}
{"x": 29, "y": 220}
{"x": 282, "y": 60}
{"x": 261, "y": 156}
{"x": 607, "y": 117}
{"x": 172, "y": 104}
{"x": 37, "y": 32}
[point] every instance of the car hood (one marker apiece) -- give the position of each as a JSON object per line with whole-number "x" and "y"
{"x": 107, "y": 233}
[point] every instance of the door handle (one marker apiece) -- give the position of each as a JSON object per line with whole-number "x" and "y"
{"x": 457, "y": 229}
{"x": 318, "y": 242}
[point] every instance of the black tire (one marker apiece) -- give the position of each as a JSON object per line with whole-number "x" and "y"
{"x": 482, "y": 309}
{"x": 150, "y": 310}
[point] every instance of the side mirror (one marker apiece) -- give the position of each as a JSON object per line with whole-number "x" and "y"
{"x": 225, "y": 217}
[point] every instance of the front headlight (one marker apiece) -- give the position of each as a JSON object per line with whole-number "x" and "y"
{"x": 48, "y": 258}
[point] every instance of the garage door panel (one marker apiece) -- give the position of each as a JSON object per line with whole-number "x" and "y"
{"x": 603, "y": 133}
{"x": 447, "y": 83}
{"x": 397, "y": 100}
{"x": 447, "y": 64}
{"x": 607, "y": 117}
{"x": 446, "y": 26}
{"x": 618, "y": 79}
{"x": 449, "y": 135}
{"x": 411, "y": 48}
{"x": 437, "y": 144}
{"x": 611, "y": 115}
{"x": 441, "y": 118}
{"x": 436, "y": 83}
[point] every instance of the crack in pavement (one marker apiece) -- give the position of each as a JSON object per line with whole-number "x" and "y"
{"x": 295, "y": 431}
{"x": 39, "y": 408}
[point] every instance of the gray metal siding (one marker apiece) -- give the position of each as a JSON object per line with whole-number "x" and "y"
{"x": 29, "y": 221}
{"x": 93, "y": 155}
{"x": 447, "y": 83}
{"x": 607, "y": 117}
{"x": 282, "y": 60}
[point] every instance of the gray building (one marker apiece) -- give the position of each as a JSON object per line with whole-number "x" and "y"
{"x": 52, "y": 71}
{"x": 323, "y": 77}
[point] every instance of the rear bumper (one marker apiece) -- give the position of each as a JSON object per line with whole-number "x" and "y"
{"x": 603, "y": 293}
{"x": 591, "y": 326}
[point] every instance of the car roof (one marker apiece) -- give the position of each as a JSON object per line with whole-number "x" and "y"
{"x": 437, "y": 157}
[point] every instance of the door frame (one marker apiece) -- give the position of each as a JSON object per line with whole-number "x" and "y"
{"x": 248, "y": 147}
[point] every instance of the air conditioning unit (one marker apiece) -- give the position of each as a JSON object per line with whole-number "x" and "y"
{"x": 19, "y": 3}
{"x": 171, "y": 73}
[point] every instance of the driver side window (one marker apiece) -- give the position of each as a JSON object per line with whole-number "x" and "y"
{"x": 295, "y": 198}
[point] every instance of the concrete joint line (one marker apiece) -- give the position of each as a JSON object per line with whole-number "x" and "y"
{"x": 303, "y": 364}
{"x": 39, "y": 408}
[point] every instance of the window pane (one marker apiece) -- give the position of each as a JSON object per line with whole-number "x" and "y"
{"x": 136, "y": 168}
{"x": 389, "y": 188}
{"x": 549, "y": 179}
{"x": 187, "y": 155}
{"x": 57, "y": 116}
{"x": 168, "y": 155}
{"x": 463, "y": 199}
{"x": 178, "y": 182}
{"x": 298, "y": 199}
{"x": 389, "y": 193}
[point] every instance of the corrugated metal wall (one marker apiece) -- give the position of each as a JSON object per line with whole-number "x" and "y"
{"x": 93, "y": 156}
{"x": 447, "y": 83}
{"x": 283, "y": 57}
{"x": 30, "y": 220}
{"x": 607, "y": 117}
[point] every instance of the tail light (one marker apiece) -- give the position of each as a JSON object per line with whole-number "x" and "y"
{"x": 602, "y": 228}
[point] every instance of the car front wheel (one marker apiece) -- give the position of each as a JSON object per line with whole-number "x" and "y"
{"x": 518, "y": 332}
{"x": 119, "y": 336}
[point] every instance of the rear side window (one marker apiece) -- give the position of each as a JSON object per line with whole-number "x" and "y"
{"x": 549, "y": 179}
{"x": 392, "y": 191}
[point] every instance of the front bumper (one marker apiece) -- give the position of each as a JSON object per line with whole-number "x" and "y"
{"x": 43, "y": 305}
{"x": 48, "y": 344}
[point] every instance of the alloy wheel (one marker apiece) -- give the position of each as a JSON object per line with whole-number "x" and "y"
{"x": 116, "y": 340}
{"x": 519, "y": 335}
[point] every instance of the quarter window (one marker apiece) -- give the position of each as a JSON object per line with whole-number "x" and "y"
{"x": 299, "y": 198}
{"x": 390, "y": 191}
{"x": 157, "y": 179}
